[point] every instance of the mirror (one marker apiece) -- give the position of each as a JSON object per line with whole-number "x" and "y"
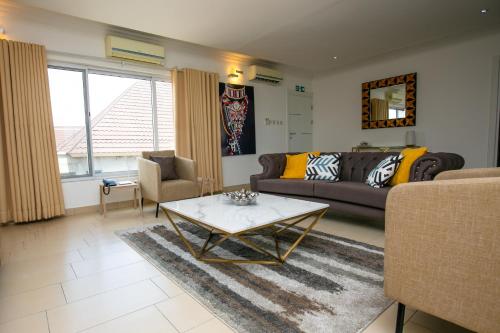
{"x": 389, "y": 102}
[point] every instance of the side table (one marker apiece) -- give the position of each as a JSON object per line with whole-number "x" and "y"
{"x": 134, "y": 187}
{"x": 208, "y": 182}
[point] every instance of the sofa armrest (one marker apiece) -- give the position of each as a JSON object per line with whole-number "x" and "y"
{"x": 469, "y": 173}
{"x": 442, "y": 249}
{"x": 186, "y": 169}
{"x": 272, "y": 165}
{"x": 149, "y": 178}
{"x": 429, "y": 165}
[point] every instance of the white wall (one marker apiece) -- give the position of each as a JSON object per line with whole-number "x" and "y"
{"x": 454, "y": 100}
{"x": 71, "y": 35}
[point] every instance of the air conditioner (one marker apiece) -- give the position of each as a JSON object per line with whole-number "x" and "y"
{"x": 123, "y": 48}
{"x": 264, "y": 74}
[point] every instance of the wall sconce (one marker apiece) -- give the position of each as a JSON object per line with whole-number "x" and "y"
{"x": 2, "y": 33}
{"x": 235, "y": 77}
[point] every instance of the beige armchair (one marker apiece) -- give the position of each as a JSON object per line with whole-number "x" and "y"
{"x": 442, "y": 248}
{"x": 158, "y": 191}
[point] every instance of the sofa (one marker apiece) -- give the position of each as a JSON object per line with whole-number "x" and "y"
{"x": 442, "y": 248}
{"x": 350, "y": 196}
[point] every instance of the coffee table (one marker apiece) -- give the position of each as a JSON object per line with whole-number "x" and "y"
{"x": 270, "y": 216}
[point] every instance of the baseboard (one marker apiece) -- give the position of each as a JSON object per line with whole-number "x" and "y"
{"x": 97, "y": 208}
{"x": 130, "y": 203}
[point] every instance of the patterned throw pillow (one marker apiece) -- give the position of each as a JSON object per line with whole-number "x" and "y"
{"x": 384, "y": 171}
{"x": 324, "y": 167}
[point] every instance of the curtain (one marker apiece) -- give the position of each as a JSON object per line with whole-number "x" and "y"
{"x": 30, "y": 184}
{"x": 197, "y": 121}
{"x": 379, "y": 109}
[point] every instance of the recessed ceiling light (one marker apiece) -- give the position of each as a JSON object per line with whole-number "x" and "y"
{"x": 484, "y": 11}
{"x": 334, "y": 58}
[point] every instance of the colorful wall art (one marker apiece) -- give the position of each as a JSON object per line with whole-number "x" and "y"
{"x": 237, "y": 119}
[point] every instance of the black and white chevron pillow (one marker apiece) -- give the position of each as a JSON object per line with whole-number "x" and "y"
{"x": 323, "y": 167}
{"x": 384, "y": 171}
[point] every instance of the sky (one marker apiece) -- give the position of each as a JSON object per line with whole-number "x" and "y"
{"x": 66, "y": 93}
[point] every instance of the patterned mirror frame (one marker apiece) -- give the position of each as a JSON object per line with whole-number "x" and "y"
{"x": 410, "y": 102}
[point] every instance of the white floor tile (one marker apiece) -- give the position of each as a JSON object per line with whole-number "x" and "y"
{"x": 148, "y": 320}
{"x": 98, "y": 309}
{"x": 36, "y": 323}
{"x": 96, "y": 250}
{"x": 30, "y": 302}
{"x": 168, "y": 286}
{"x": 108, "y": 280}
{"x": 184, "y": 312}
{"x": 105, "y": 262}
{"x": 31, "y": 282}
{"x": 212, "y": 326}
{"x": 386, "y": 322}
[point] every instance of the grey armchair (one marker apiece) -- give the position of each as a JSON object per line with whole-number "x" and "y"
{"x": 156, "y": 190}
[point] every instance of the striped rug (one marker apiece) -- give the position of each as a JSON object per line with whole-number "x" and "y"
{"x": 329, "y": 284}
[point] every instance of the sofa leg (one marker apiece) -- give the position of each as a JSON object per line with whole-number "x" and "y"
{"x": 157, "y": 209}
{"x": 400, "y": 320}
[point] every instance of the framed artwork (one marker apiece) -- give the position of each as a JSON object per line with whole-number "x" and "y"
{"x": 237, "y": 119}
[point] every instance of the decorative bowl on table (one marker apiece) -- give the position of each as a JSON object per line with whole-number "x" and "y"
{"x": 242, "y": 198}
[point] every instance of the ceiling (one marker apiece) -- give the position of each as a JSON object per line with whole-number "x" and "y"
{"x": 303, "y": 34}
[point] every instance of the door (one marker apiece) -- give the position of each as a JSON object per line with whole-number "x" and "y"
{"x": 300, "y": 121}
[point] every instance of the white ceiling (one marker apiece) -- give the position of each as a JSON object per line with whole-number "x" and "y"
{"x": 301, "y": 33}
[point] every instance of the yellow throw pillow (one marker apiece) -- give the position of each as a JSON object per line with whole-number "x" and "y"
{"x": 296, "y": 166}
{"x": 410, "y": 155}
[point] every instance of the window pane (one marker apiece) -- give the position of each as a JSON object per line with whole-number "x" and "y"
{"x": 165, "y": 112}
{"x": 122, "y": 121}
{"x": 68, "y": 112}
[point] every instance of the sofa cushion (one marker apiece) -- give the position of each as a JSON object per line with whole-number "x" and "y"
{"x": 288, "y": 186}
{"x": 352, "y": 192}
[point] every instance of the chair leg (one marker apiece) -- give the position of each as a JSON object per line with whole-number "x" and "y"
{"x": 157, "y": 208}
{"x": 400, "y": 320}
{"x": 142, "y": 202}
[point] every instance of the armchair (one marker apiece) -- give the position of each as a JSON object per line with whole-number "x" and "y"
{"x": 156, "y": 190}
{"x": 442, "y": 248}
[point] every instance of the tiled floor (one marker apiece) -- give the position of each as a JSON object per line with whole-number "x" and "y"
{"x": 73, "y": 274}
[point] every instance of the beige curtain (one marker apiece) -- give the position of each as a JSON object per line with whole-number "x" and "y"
{"x": 379, "y": 109}
{"x": 30, "y": 185}
{"x": 197, "y": 121}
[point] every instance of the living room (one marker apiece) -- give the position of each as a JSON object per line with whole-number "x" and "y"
{"x": 128, "y": 135}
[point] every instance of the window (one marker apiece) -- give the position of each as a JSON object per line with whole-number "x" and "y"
{"x": 68, "y": 111}
{"x": 126, "y": 115}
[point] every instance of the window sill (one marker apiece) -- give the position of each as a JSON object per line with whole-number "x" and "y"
{"x": 132, "y": 175}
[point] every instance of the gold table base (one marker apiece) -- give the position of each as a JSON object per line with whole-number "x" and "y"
{"x": 274, "y": 258}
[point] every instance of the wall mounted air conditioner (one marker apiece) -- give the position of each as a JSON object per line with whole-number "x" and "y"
{"x": 260, "y": 73}
{"x": 123, "y": 48}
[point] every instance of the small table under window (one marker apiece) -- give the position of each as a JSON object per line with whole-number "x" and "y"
{"x": 134, "y": 187}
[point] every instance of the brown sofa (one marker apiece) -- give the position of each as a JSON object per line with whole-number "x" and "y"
{"x": 349, "y": 196}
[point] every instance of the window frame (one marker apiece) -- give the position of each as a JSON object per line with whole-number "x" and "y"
{"x": 86, "y": 70}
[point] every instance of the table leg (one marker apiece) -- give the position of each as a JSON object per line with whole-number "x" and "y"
{"x": 101, "y": 210}
{"x": 104, "y": 204}
{"x": 202, "y": 187}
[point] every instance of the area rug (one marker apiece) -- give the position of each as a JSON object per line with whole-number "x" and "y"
{"x": 329, "y": 284}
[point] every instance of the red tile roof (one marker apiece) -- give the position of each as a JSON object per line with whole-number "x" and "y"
{"x": 125, "y": 127}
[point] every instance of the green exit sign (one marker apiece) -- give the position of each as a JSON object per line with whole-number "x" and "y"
{"x": 300, "y": 88}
